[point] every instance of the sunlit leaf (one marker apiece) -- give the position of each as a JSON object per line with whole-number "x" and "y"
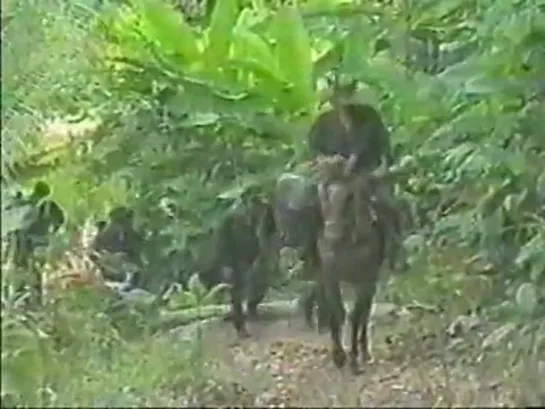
{"x": 195, "y": 286}
{"x": 527, "y": 298}
{"x": 482, "y": 85}
{"x": 294, "y": 55}
{"x": 213, "y": 293}
{"x": 456, "y": 75}
{"x": 202, "y": 119}
{"x": 223, "y": 20}
{"x": 240, "y": 187}
{"x": 359, "y": 46}
{"x": 532, "y": 248}
{"x": 251, "y": 47}
{"x": 494, "y": 339}
{"x": 540, "y": 186}
{"x": 537, "y": 274}
{"x": 163, "y": 24}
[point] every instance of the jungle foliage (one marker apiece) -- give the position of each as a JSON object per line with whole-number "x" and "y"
{"x": 194, "y": 111}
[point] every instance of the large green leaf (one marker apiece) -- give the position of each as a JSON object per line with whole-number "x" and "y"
{"x": 527, "y": 298}
{"x": 250, "y": 46}
{"x": 206, "y": 98}
{"x": 254, "y": 56}
{"x": 224, "y": 18}
{"x": 264, "y": 82}
{"x": 359, "y": 46}
{"x": 294, "y": 56}
{"x": 162, "y": 24}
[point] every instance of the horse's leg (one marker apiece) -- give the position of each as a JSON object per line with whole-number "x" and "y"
{"x": 259, "y": 284}
{"x": 23, "y": 259}
{"x": 321, "y": 301}
{"x": 308, "y": 300}
{"x": 364, "y": 303}
{"x": 358, "y": 322}
{"x": 315, "y": 296}
{"x": 264, "y": 267}
{"x": 237, "y": 296}
{"x": 336, "y": 313}
{"x": 256, "y": 299}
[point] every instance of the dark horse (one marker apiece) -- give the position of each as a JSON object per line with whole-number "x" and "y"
{"x": 243, "y": 254}
{"x": 347, "y": 242}
{"x": 357, "y": 133}
{"x": 351, "y": 248}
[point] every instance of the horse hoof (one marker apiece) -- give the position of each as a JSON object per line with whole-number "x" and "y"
{"x": 309, "y": 322}
{"x": 253, "y": 316}
{"x": 367, "y": 357}
{"x": 355, "y": 367}
{"x": 339, "y": 358}
{"x": 243, "y": 334}
{"x": 323, "y": 324}
{"x": 311, "y": 326}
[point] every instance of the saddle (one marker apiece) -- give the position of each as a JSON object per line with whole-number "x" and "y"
{"x": 347, "y": 202}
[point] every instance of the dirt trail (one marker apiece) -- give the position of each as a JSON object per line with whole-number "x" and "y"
{"x": 287, "y": 364}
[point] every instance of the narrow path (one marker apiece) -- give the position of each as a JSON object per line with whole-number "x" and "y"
{"x": 286, "y": 364}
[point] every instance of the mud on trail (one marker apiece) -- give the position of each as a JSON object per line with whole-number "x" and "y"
{"x": 286, "y": 364}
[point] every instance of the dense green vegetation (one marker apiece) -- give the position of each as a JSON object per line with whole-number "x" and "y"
{"x": 191, "y": 114}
